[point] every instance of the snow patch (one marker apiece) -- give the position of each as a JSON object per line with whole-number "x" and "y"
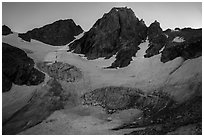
{"x": 174, "y": 30}
{"x": 178, "y": 39}
{"x": 80, "y": 35}
{"x": 166, "y": 35}
{"x": 66, "y": 47}
{"x": 161, "y": 49}
{"x": 142, "y": 51}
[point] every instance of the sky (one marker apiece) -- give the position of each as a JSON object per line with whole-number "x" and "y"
{"x": 24, "y": 16}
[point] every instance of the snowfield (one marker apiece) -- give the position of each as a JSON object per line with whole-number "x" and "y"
{"x": 178, "y": 39}
{"x": 147, "y": 74}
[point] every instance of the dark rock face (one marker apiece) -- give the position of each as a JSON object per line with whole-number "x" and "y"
{"x": 18, "y": 68}
{"x": 156, "y": 39}
{"x": 6, "y": 30}
{"x": 118, "y": 31}
{"x": 187, "y": 50}
{"x": 154, "y": 30}
{"x": 190, "y": 48}
{"x": 57, "y": 34}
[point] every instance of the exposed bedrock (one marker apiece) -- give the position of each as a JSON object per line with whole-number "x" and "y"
{"x": 18, "y": 68}
{"x": 186, "y": 43}
{"x": 58, "y": 33}
{"x": 156, "y": 38}
{"x": 188, "y": 49}
{"x": 118, "y": 31}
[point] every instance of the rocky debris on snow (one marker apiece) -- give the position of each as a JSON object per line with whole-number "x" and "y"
{"x": 120, "y": 98}
{"x": 118, "y": 31}
{"x": 18, "y": 68}
{"x": 6, "y": 30}
{"x": 186, "y": 116}
{"x": 161, "y": 113}
{"x": 173, "y": 117}
{"x": 58, "y": 33}
{"x": 61, "y": 71}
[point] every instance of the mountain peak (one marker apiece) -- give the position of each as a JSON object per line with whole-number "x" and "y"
{"x": 121, "y": 9}
{"x": 154, "y": 29}
{"x": 118, "y": 31}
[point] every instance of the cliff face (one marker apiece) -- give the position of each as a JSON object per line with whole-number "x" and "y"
{"x": 57, "y": 34}
{"x": 118, "y": 31}
{"x": 18, "y": 68}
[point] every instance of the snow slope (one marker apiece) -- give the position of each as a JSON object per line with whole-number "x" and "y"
{"x": 145, "y": 73}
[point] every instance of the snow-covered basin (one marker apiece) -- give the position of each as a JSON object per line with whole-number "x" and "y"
{"x": 147, "y": 74}
{"x": 143, "y": 73}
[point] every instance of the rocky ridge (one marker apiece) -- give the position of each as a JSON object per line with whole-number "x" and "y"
{"x": 58, "y": 33}
{"x": 119, "y": 32}
{"x": 186, "y": 43}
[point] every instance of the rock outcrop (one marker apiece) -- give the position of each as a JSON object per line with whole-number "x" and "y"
{"x": 190, "y": 47}
{"x": 57, "y": 34}
{"x": 186, "y": 43}
{"x": 117, "y": 32}
{"x": 156, "y": 38}
{"x": 6, "y": 30}
{"x": 18, "y": 68}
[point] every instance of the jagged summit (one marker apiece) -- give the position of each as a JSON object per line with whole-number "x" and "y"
{"x": 118, "y": 31}
{"x": 58, "y": 33}
{"x": 122, "y": 18}
{"x": 154, "y": 29}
